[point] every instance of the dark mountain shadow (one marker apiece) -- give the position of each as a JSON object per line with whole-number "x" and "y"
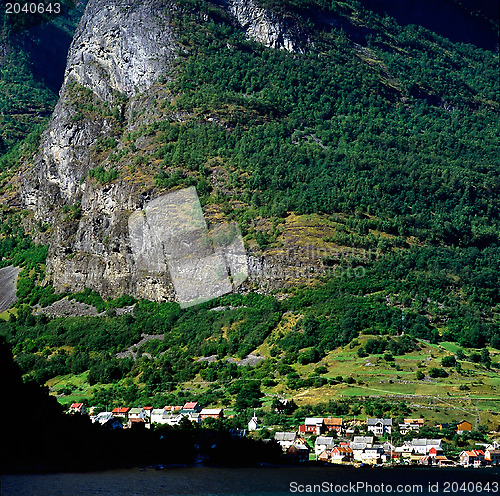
{"x": 467, "y": 21}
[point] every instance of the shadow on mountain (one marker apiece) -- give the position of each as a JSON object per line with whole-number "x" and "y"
{"x": 46, "y": 439}
{"x": 467, "y": 21}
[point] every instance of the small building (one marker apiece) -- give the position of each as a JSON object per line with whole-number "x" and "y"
{"x": 312, "y": 425}
{"x": 411, "y": 425}
{"x": 137, "y": 413}
{"x": 120, "y": 412}
{"x": 158, "y": 416}
{"x": 341, "y": 454}
{"x": 112, "y": 424}
{"x": 253, "y": 424}
{"x": 405, "y": 450}
{"x": 443, "y": 461}
{"x": 324, "y": 456}
{"x": 370, "y": 456}
{"x": 148, "y": 410}
{"x": 191, "y": 407}
{"x": 366, "y": 440}
{"x": 172, "y": 408}
{"x": 423, "y": 446}
{"x": 476, "y": 458}
{"x": 77, "y": 408}
{"x": 285, "y": 439}
{"x": 215, "y": 413}
{"x": 379, "y": 426}
{"x": 425, "y": 460}
{"x": 102, "y": 417}
{"x": 194, "y": 417}
{"x": 463, "y": 426}
{"x": 492, "y": 456}
{"x": 298, "y": 453}
{"x": 333, "y": 424}
{"x": 138, "y": 417}
{"x": 323, "y": 443}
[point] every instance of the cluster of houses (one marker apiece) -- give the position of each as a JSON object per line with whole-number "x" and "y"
{"x": 147, "y": 415}
{"x": 341, "y": 446}
{"x": 363, "y": 450}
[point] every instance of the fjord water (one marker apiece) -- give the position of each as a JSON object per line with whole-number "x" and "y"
{"x": 253, "y": 481}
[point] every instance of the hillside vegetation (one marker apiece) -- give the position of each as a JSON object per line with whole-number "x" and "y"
{"x": 387, "y": 135}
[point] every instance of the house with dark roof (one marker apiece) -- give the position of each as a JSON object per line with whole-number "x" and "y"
{"x": 411, "y": 425}
{"x": 492, "y": 456}
{"x": 379, "y": 426}
{"x": 298, "y": 453}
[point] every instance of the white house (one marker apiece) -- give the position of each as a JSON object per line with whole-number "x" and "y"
{"x": 422, "y": 446}
{"x": 253, "y": 425}
{"x": 323, "y": 443}
{"x": 379, "y": 426}
{"x": 102, "y": 418}
{"x": 137, "y": 413}
{"x": 492, "y": 456}
{"x": 312, "y": 425}
{"x": 410, "y": 425}
{"x": 369, "y": 455}
{"x": 473, "y": 457}
{"x": 157, "y": 416}
{"x": 77, "y": 408}
{"x": 285, "y": 439}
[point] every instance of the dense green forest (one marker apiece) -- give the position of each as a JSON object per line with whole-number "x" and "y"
{"x": 394, "y": 137}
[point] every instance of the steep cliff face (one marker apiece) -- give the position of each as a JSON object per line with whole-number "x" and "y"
{"x": 266, "y": 27}
{"x": 120, "y": 51}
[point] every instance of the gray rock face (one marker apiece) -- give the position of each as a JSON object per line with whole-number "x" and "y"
{"x": 121, "y": 46}
{"x": 266, "y": 27}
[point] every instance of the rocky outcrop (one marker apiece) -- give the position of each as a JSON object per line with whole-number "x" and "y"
{"x": 267, "y": 27}
{"x": 120, "y": 50}
{"x": 121, "y": 46}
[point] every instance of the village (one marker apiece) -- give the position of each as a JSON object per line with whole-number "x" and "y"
{"x": 324, "y": 440}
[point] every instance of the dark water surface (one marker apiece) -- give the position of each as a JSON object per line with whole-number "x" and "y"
{"x": 250, "y": 481}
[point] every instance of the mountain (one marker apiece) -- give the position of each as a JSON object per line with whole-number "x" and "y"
{"x": 357, "y": 153}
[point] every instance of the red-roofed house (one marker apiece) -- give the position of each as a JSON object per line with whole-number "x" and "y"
{"x": 191, "y": 407}
{"x": 341, "y": 454}
{"x": 77, "y": 408}
{"x": 473, "y": 457}
{"x": 120, "y": 411}
{"x": 333, "y": 424}
{"x": 433, "y": 452}
{"x": 148, "y": 410}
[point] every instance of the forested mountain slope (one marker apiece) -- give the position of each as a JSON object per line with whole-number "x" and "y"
{"x": 359, "y": 157}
